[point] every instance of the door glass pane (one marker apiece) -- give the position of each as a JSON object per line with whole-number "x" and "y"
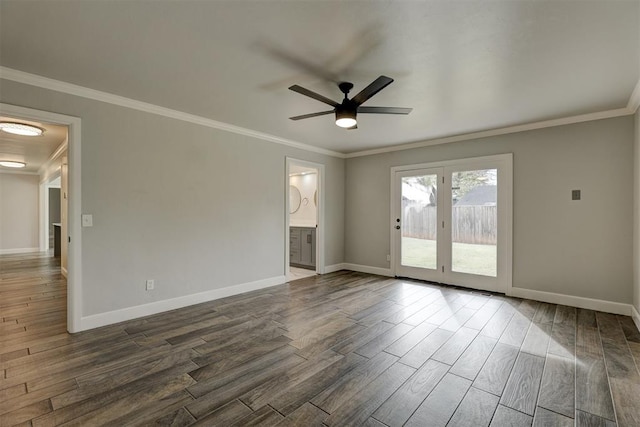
{"x": 419, "y": 221}
{"x": 474, "y": 222}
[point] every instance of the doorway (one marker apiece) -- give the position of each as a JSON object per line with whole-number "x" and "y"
{"x": 304, "y": 219}
{"x": 451, "y": 222}
{"x": 65, "y": 161}
{"x": 52, "y": 226}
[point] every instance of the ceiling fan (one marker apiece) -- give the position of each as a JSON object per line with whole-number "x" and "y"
{"x": 347, "y": 111}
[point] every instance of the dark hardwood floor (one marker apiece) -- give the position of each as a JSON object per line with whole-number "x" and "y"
{"x": 339, "y": 349}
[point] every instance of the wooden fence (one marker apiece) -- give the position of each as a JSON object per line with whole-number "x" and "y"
{"x": 470, "y": 224}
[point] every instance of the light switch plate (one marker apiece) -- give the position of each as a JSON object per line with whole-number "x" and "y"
{"x": 87, "y": 220}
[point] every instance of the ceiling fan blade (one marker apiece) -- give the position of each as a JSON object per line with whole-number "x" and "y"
{"x": 375, "y": 87}
{"x": 384, "y": 110}
{"x": 313, "y": 95}
{"x": 308, "y": 116}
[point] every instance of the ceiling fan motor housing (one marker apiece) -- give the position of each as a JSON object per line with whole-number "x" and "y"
{"x": 346, "y": 109}
{"x": 345, "y": 87}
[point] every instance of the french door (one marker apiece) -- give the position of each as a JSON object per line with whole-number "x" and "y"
{"x": 451, "y": 222}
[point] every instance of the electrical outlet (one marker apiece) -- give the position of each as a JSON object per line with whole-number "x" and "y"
{"x": 388, "y": 257}
{"x": 150, "y": 284}
{"x": 575, "y": 194}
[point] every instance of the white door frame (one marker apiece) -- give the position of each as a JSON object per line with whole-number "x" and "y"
{"x": 398, "y": 269}
{"x": 74, "y": 260}
{"x": 505, "y": 197}
{"x": 45, "y": 185}
{"x": 320, "y": 268}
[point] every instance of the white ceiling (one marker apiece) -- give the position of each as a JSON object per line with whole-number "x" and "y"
{"x": 462, "y": 66}
{"x": 33, "y": 150}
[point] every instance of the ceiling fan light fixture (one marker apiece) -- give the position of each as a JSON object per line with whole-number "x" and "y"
{"x": 12, "y": 164}
{"x": 345, "y": 119}
{"x": 21, "y": 129}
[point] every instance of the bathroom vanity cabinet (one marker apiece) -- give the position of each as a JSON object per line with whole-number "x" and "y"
{"x": 302, "y": 247}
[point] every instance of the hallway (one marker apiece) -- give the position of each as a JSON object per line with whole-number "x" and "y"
{"x": 33, "y": 303}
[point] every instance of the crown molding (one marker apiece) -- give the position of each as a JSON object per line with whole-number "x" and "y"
{"x": 17, "y": 172}
{"x": 497, "y": 131}
{"x": 96, "y": 95}
{"x": 84, "y": 92}
{"x": 50, "y": 164}
{"x": 634, "y": 99}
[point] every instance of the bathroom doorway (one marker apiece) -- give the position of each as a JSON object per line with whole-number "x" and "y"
{"x": 303, "y": 219}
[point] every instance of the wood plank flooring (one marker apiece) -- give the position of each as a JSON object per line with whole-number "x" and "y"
{"x": 334, "y": 350}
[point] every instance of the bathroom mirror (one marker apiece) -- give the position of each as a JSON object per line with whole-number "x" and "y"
{"x": 294, "y": 199}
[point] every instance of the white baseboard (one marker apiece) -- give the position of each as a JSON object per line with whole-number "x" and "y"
{"x": 367, "y": 269}
{"x": 117, "y": 316}
{"x": 18, "y": 251}
{"x": 333, "y": 268}
{"x": 574, "y": 301}
{"x": 635, "y": 316}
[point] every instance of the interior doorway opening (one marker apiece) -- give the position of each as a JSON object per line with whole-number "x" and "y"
{"x": 61, "y": 162}
{"x": 303, "y": 219}
{"x": 52, "y": 214}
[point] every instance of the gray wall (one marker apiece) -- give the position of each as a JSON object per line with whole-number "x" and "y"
{"x": 54, "y": 205}
{"x": 18, "y": 212}
{"x": 576, "y": 248}
{"x": 192, "y": 207}
{"x": 636, "y": 217}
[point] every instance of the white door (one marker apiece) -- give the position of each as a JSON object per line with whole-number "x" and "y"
{"x": 452, "y": 223}
{"x": 417, "y": 222}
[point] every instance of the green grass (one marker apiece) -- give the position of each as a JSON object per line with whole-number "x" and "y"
{"x": 467, "y": 258}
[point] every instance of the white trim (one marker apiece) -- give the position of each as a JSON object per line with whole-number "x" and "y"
{"x": 12, "y": 251}
{"x": 43, "y": 215}
{"x": 456, "y": 162}
{"x": 96, "y": 95}
{"x": 48, "y": 168}
{"x": 124, "y": 314}
{"x": 571, "y": 300}
{"x": 43, "y": 189}
{"x": 10, "y": 172}
{"x": 497, "y": 131}
{"x": 634, "y": 99}
{"x": 635, "y": 316}
{"x": 368, "y": 269}
{"x": 74, "y": 255}
{"x": 333, "y": 268}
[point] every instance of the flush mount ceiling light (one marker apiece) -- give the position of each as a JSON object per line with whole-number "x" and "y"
{"x": 21, "y": 129}
{"x": 12, "y": 164}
